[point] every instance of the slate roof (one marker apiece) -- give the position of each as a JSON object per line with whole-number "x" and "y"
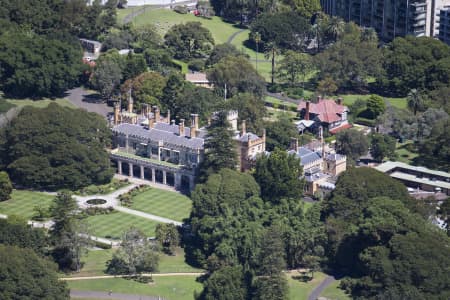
{"x": 164, "y": 133}
{"x": 249, "y": 136}
{"x": 327, "y": 110}
{"x": 306, "y": 156}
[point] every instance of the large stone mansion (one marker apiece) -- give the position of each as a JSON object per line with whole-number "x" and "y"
{"x": 152, "y": 147}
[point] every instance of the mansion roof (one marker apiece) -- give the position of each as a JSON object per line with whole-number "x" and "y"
{"x": 327, "y": 110}
{"x": 161, "y": 132}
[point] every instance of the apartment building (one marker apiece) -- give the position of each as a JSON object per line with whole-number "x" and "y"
{"x": 390, "y": 18}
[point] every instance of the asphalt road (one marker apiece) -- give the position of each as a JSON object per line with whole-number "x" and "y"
{"x": 85, "y": 99}
{"x": 319, "y": 289}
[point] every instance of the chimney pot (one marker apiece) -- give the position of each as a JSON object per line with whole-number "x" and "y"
{"x": 307, "y": 111}
{"x": 168, "y": 116}
{"x": 339, "y": 101}
{"x": 181, "y": 127}
{"x": 294, "y": 143}
{"x": 150, "y": 123}
{"x": 243, "y": 127}
{"x": 156, "y": 114}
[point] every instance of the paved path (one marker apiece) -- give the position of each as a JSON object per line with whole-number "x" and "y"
{"x": 283, "y": 98}
{"x": 80, "y": 98}
{"x": 319, "y": 289}
{"x": 124, "y": 276}
{"x": 146, "y": 215}
{"x": 114, "y": 296}
{"x": 232, "y": 37}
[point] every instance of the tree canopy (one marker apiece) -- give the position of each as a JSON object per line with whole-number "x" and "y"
{"x": 5, "y": 186}
{"x": 352, "y": 143}
{"x": 279, "y": 176}
{"x": 37, "y": 66}
{"x": 28, "y": 276}
{"x": 57, "y": 147}
{"x": 190, "y": 40}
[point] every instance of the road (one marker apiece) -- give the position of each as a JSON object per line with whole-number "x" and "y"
{"x": 321, "y": 287}
{"x": 84, "y": 99}
{"x": 124, "y": 276}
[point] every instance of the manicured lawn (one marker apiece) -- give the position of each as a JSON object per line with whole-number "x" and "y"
{"x": 404, "y": 154}
{"x": 22, "y": 203}
{"x": 171, "y": 287}
{"x": 163, "y": 203}
{"x": 299, "y": 289}
{"x": 115, "y": 224}
{"x": 5, "y": 106}
{"x": 163, "y": 19}
{"x": 40, "y": 103}
{"x": 397, "y": 102}
{"x": 334, "y": 292}
{"x": 307, "y": 205}
{"x": 95, "y": 263}
{"x": 280, "y": 103}
{"x": 103, "y": 189}
{"x": 275, "y": 114}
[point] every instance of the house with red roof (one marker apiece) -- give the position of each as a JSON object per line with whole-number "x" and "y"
{"x": 328, "y": 113}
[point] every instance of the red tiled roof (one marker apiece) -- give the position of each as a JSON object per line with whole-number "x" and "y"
{"x": 327, "y": 110}
{"x": 336, "y": 129}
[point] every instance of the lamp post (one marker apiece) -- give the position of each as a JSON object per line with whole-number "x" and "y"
{"x": 257, "y": 39}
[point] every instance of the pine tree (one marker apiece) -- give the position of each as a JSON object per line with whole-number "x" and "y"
{"x": 220, "y": 149}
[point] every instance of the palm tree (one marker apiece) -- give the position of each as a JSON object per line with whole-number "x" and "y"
{"x": 335, "y": 27}
{"x": 415, "y": 100}
{"x": 270, "y": 51}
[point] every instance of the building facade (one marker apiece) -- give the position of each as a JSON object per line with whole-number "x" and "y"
{"x": 390, "y": 18}
{"x": 151, "y": 147}
{"x": 444, "y": 25}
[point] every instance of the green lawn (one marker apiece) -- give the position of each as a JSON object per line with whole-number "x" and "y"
{"x": 22, "y": 203}
{"x": 299, "y": 290}
{"x": 171, "y": 287}
{"x": 333, "y": 292}
{"x": 163, "y": 19}
{"x": 40, "y": 103}
{"x": 404, "y": 154}
{"x": 5, "y": 106}
{"x": 397, "y": 102}
{"x": 163, "y": 203}
{"x": 275, "y": 114}
{"x": 95, "y": 263}
{"x": 115, "y": 224}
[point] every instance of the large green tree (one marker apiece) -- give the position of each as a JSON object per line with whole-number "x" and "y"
{"x": 350, "y": 61}
{"x": 219, "y": 147}
{"x": 294, "y": 66}
{"x": 21, "y": 235}
{"x": 236, "y": 75}
{"x": 226, "y": 283}
{"x": 435, "y": 150}
{"x": 57, "y": 147}
{"x": 36, "y": 66}
{"x": 5, "y": 186}
{"x": 382, "y": 146}
{"x": 190, "y": 40}
{"x": 278, "y": 175}
{"x": 352, "y": 143}
{"x": 146, "y": 88}
{"x": 68, "y": 233}
{"x": 28, "y": 276}
{"x": 414, "y": 63}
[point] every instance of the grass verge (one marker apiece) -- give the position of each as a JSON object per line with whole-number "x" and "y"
{"x": 334, "y": 292}
{"x": 170, "y": 287}
{"x": 115, "y": 224}
{"x": 22, "y": 203}
{"x": 163, "y": 203}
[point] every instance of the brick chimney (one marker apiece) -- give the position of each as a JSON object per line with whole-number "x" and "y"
{"x": 193, "y": 130}
{"x": 307, "y": 111}
{"x": 168, "y": 116}
{"x": 151, "y": 123}
{"x": 156, "y": 114}
{"x": 319, "y": 98}
{"x": 172, "y": 122}
{"x": 130, "y": 102}
{"x": 194, "y": 121}
{"x": 116, "y": 113}
{"x": 294, "y": 144}
{"x": 181, "y": 127}
{"x": 339, "y": 101}
{"x": 243, "y": 127}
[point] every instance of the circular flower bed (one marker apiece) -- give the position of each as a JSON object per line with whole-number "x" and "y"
{"x": 96, "y": 201}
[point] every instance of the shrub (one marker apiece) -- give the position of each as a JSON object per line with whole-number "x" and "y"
{"x": 196, "y": 65}
{"x": 181, "y": 9}
{"x": 296, "y": 92}
{"x": 364, "y": 121}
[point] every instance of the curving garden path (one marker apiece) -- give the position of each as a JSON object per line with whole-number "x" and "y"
{"x": 321, "y": 287}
